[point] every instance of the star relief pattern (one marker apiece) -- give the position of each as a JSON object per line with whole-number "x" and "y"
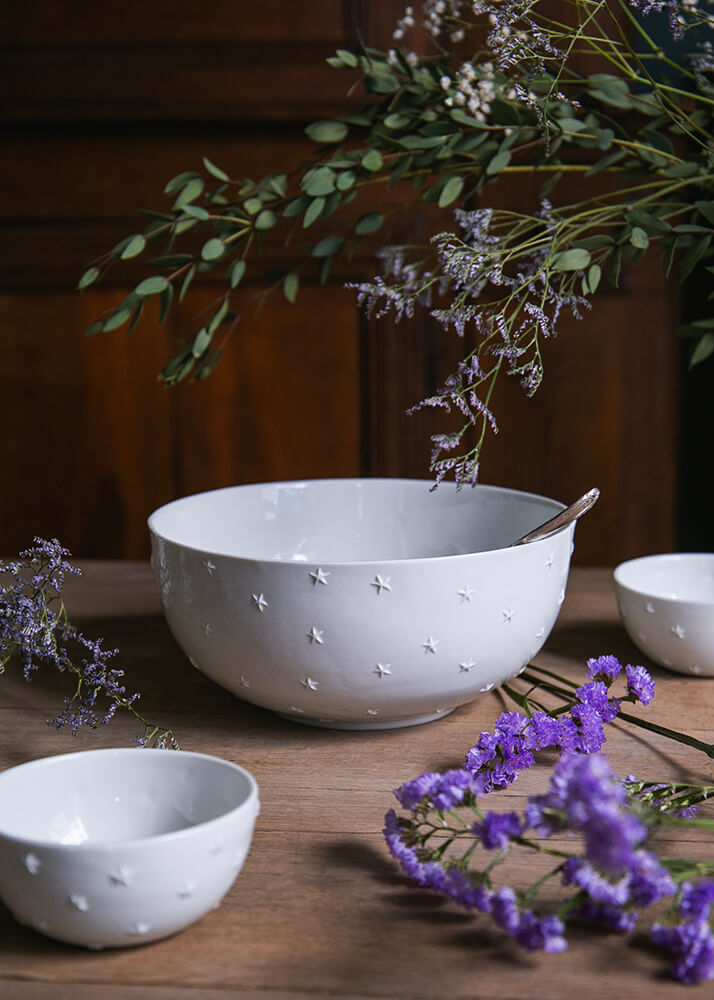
{"x": 319, "y": 576}
{"x": 259, "y": 602}
{"x": 381, "y": 583}
{"x": 466, "y": 666}
{"x": 124, "y": 875}
{"x": 382, "y": 669}
{"x": 677, "y": 631}
{"x": 430, "y": 644}
{"x": 32, "y": 863}
{"x": 309, "y": 684}
{"x": 315, "y": 636}
{"x": 466, "y": 593}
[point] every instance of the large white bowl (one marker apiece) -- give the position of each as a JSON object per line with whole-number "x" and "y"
{"x": 359, "y": 604}
{"x": 666, "y": 603}
{"x": 108, "y": 848}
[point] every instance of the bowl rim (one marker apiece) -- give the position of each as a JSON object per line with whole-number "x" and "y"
{"x": 357, "y": 480}
{"x": 250, "y": 804}
{"x": 662, "y": 557}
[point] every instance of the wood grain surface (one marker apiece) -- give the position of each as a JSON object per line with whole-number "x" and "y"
{"x": 320, "y": 910}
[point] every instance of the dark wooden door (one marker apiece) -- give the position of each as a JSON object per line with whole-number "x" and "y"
{"x": 102, "y": 104}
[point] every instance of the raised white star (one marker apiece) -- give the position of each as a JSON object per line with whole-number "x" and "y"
{"x": 315, "y": 635}
{"x": 32, "y": 863}
{"x": 207, "y": 628}
{"x": 124, "y": 875}
{"x": 561, "y": 596}
{"x": 140, "y": 928}
{"x": 649, "y": 608}
{"x": 260, "y": 602}
{"x": 310, "y": 684}
{"x": 430, "y": 644}
{"x": 487, "y": 687}
{"x": 244, "y": 682}
{"x": 466, "y": 594}
{"x": 381, "y": 669}
{"x": 372, "y": 711}
{"x": 79, "y": 902}
{"x": 508, "y": 614}
{"x": 541, "y": 632}
{"x": 550, "y": 560}
{"x": 466, "y": 666}
{"x": 210, "y": 566}
{"x": 381, "y": 583}
{"x": 319, "y": 576}
{"x": 677, "y": 631}
{"x": 294, "y": 708}
{"x": 187, "y": 888}
{"x": 216, "y": 845}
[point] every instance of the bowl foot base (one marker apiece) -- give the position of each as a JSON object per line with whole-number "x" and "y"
{"x": 412, "y": 720}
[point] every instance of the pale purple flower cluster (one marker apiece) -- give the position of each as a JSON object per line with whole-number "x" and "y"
{"x": 34, "y": 628}
{"x": 691, "y": 940}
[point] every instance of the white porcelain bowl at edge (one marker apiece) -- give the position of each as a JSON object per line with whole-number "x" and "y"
{"x": 109, "y": 848}
{"x": 666, "y": 603}
{"x": 359, "y": 603}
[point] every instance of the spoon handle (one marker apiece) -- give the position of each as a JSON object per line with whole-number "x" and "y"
{"x": 571, "y": 513}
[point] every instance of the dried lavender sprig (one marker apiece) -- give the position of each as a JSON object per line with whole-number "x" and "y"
{"x": 35, "y": 628}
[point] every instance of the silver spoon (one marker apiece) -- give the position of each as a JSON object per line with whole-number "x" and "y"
{"x": 571, "y": 513}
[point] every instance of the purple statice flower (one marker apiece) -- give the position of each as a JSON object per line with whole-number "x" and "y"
{"x": 498, "y": 829}
{"x": 606, "y": 913}
{"x": 604, "y": 668}
{"x": 585, "y": 797}
{"x": 595, "y": 696}
{"x": 401, "y": 851}
{"x": 599, "y": 888}
{"x": 639, "y": 684}
{"x": 531, "y": 932}
{"x": 443, "y": 791}
{"x": 691, "y": 940}
{"x": 35, "y": 629}
{"x": 649, "y": 880}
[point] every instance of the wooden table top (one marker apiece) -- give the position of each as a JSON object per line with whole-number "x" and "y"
{"x": 320, "y": 910}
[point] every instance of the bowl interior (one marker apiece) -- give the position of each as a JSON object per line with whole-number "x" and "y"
{"x": 678, "y": 577}
{"x": 350, "y": 520}
{"x": 107, "y": 796}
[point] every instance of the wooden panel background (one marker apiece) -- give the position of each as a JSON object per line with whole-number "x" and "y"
{"x": 101, "y": 105}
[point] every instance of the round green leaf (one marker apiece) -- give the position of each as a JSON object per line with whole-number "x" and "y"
{"x": 291, "y": 283}
{"x": 134, "y": 247}
{"x": 328, "y": 247}
{"x": 498, "y": 162}
{"x": 327, "y": 131}
{"x": 346, "y": 180}
{"x": 151, "y": 286}
{"x": 372, "y": 160}
{"x": 212, "y": 249}
{"x": 396, "y": 121}
{"x": 571, "y": 260}
{"x": 266, "y": 219}
{"x": 639, "y": 238}
{"x": 88, "y": 278}
{"x": 319, "y": 182}
{"x": 192, "y": 190}
{"x": 237, "y": 272}
{"x": 594, "y": 275}
{"x": 196, "y": 212}
{"x": 116, "y": 320}
{"x": 314, "y": 209}
{"x": 219, "y": 174}
{"x": 201, "y": 342}
{"x": 451, "y": 191}
{"x": 369, "y": 223}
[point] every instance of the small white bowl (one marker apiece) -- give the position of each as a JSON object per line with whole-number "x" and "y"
{"x": 359, "y": 603}
{"x": 109, "y": 848}
{"x": 666, "y": 603}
